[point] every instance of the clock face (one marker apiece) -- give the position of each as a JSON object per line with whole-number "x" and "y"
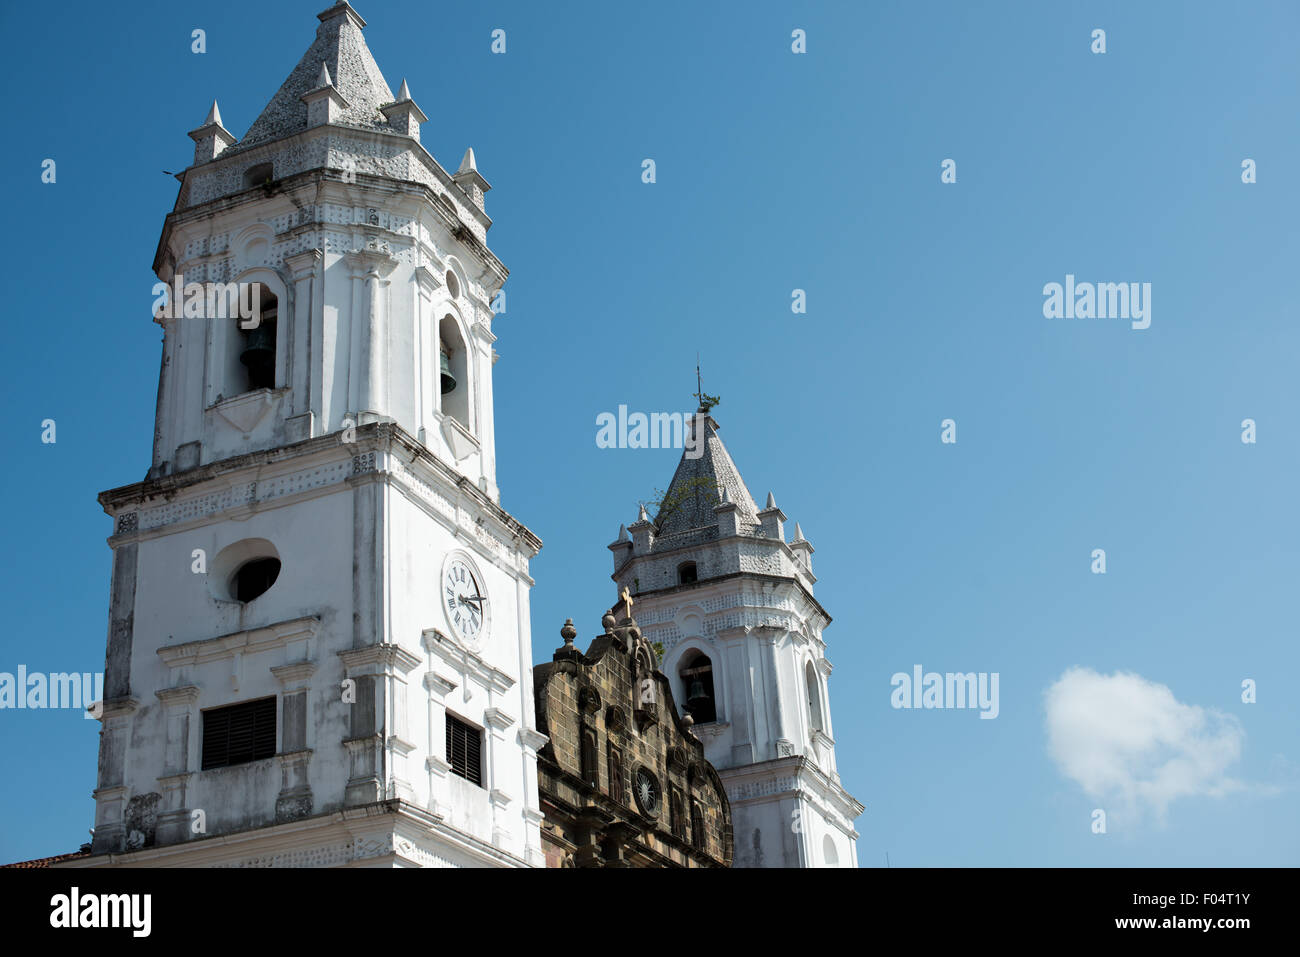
{"x": 647, "y": 791}
{"x": 464, "y": 600}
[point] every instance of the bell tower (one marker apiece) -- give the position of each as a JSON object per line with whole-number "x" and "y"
{"x": 731, "y": 602}
{"x": 319, "y": 646}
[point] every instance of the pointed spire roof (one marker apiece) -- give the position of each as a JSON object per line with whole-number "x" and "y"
{"x": 339, "y": 53}
{"x": 405, "y": 94}
{"x": 696, "y": 488}
{"x": 214, "y": 116}
{"x": 467, "y": 164}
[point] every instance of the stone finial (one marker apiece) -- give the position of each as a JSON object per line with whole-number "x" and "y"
{"x": 568, "y": 633}
{"x": 211, "y": 139}
{"x": 609, "y": 621}
{"x": 643, "y": 532}
{"x": 469, "y": 180}
{"x": 325, "y": 104}
{"x": 772, "y": 519}
{"x": 621, "y": 547}
{"x": 802, "y": 549}
{"x": 727, "y": 512}
{"x": 403, "y": 115}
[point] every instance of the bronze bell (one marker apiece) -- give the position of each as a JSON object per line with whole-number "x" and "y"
{"x": 696, "y": 698}
{"x": 444, "y": 366}
{"x": 259, "y": 356}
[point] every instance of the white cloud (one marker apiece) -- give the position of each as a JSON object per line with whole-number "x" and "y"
{"x": 1126, "y": 739}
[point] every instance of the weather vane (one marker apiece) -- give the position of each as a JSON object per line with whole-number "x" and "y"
{"x": 706, "y": 401}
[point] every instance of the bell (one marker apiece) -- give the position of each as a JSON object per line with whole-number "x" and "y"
{"x": 259, "y": 356}
{"x": 444, "y": 366}
{"x": 696, "y": 698}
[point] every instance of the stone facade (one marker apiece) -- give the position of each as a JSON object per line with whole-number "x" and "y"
{"x": 623, "y": 779}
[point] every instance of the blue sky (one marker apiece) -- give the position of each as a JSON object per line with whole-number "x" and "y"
{"x": 778, "y": 171}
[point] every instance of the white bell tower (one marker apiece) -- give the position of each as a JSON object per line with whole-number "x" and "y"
{"x": 715, "y": 582}
{"x": 319, "y": 648}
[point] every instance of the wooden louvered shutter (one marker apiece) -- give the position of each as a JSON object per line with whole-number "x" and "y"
{"x": 464, "y": 750}
{"x": 239, "y": 733}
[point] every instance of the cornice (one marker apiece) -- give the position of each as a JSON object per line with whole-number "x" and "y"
{"x": 250, "y": 640}
{"x": 381, "y": 658}
{"x": 498, "y": 719}
{"x": 460, "y": 658}
{"x": 185, "y": 695}
{"x": 310, "y": 180}
{"x": 294, "y": 673}
{"x": 532, "y": 739}
{"x": 244, "y": 482}
{"x": 705, "y": 584}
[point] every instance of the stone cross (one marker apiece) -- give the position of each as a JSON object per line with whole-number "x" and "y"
{"x": 627, "y": 600}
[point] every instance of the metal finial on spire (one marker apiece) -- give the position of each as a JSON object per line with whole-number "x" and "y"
{"x": 706, "y": 401}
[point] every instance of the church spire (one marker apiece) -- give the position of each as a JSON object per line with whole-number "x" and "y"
{"x": 339, "y": 54}
{"x": 703, "y": 474}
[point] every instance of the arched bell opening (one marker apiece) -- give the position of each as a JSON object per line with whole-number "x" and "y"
{"x": 814, "y": 698}
{"x": 257, "y": 342}
{"x": 696, "y": 673}
{"x": 453, "y": 372}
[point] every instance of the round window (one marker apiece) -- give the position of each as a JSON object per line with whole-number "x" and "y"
{"x": 243, "y": 571}
{"x": 647, "y": 791}
{"x": 254, "y": 578}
